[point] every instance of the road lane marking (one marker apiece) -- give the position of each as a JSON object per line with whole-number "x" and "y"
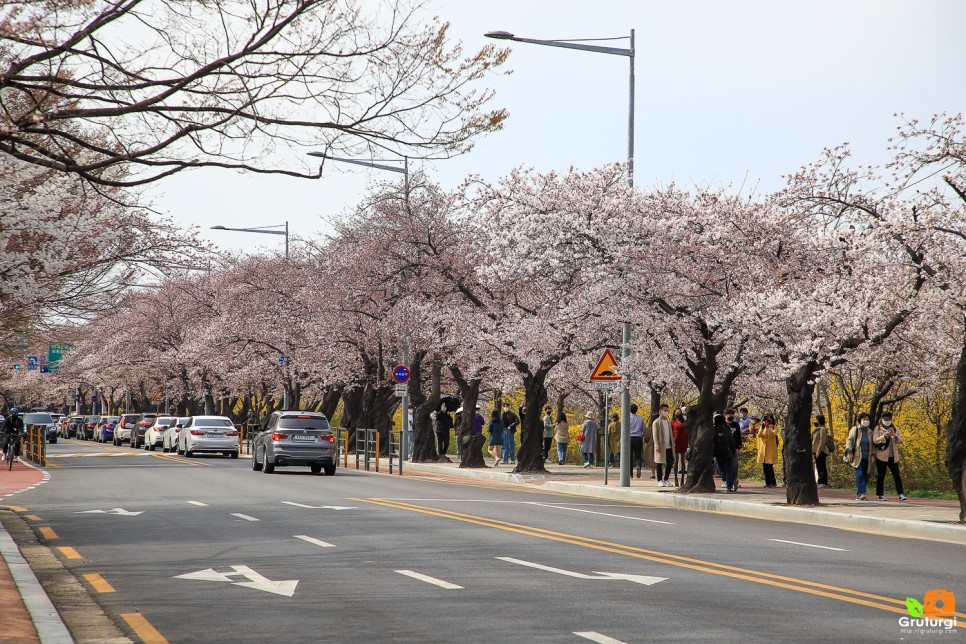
{"x": 594, "y": 636}
{"x": 198, "y": 503}
{"x": 318, "y": 507}
{"x": 48, "y": 533}
{"x": 143, "y": 628}
{"x": 32, "y": 517}
{"x": 430, "y": 580}
{"x": 69, "y": 552}
{"x": 609, "y": 576}
{"x": 15, "y": 508}
{"x": 98, "y": 583}
{"x": 301, "y": 505}
{"x": 318, "y": 542}
{"x": 244, "y": 516}
{"x": 790, "y": 583}
{"x": 809, "y": 545}
{"x": 606, "y": 514}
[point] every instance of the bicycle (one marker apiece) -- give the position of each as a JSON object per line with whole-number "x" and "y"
{"x": 13, "y": 442}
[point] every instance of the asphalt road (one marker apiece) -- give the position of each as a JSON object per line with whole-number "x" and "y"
{"x": 219, "y": 553}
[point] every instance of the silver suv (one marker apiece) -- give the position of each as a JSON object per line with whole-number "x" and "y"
{"x": 295, "y": 438}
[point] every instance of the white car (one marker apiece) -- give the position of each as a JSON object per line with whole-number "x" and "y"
{"x": 169, "y": 441}
{"x": 154, "y": 433}
{"x": 208, "y": 434}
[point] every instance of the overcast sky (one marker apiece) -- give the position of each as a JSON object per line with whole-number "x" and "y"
{"x": 732, "y": 93}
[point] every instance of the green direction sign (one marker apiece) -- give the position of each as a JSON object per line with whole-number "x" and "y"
{"x": 55, "y": 352}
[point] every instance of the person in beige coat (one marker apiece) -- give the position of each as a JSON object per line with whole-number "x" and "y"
{"x": 820, "y": 449}
{"x": 562, "y": 436}
{"x": 886, "y": 439}
{"x": 663, "y": 436}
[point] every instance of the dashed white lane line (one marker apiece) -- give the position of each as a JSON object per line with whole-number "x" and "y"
{"x": 594, "y": 636}
{"x": 318, "y": 542}
{"x": 606, "y": 514}
{"x": 301, "y": 505}
{"x": 198, "y": 503}
{"x": 430, "y": 580}
{"x": 244, "y": 516}
{"x": 809, "y": 545}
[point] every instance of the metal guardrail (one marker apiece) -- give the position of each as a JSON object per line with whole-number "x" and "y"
{"x": 34, "y": 445}
{"x": 367, "y": 448}
{"x": 395, "y": 450}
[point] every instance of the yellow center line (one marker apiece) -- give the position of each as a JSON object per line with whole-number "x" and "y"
{"x": 790, "y": 583}
{"x": 143, "y": 628}
{"x": 15, "y": 508}
{"x": 98, "y": 583}
{"x": 32, "y": 517}
{"x": 69, "y": 552}
{"x": 48, "y": 533}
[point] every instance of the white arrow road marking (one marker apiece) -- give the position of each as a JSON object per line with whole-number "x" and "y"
{"x": 809, "y": 545}
{"x": 255, "y": 581}
{"x": 606, "y": 514}
{"x": 637, "y": 579}
{"x": 199, "y": 503}
{"x": 594, "y": 636}
{"x": 244, "y": 516}
{"x": 318, "y": 507}
{"x": 430, "y": 580}
{"x": 118, "y": 511}
{"x": 318, "y": 542}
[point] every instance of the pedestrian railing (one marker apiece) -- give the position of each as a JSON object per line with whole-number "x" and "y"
{"x": 367, "y": 448}
{"x": 342, "y": 442}
{"x": 395, "y": 451}
{"x": 34, "y": 446}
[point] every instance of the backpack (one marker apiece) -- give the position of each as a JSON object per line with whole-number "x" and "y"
{"x": 830, "y": 443}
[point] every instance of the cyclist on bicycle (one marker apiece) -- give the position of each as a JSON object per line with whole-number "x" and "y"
{"x": 12, "y": 430}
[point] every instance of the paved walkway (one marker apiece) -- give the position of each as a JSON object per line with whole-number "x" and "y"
{"x": 16, "y": 623}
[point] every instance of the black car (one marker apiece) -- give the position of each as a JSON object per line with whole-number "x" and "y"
{"x": 137, "y": 433}
{"x": 86, "y": 429}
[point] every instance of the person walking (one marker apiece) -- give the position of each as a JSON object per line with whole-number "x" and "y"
{"x": 547, "y": 433}
{"x": 562, "y": 437}
{"x": 886, "y": 438}
{"x": 724, "y": 450}
{"x": 680, "y": 430}
{"x": 767, "y": 443}
{"x": 738, "y": 439}
{"x": 637, "y": 440}
{"x": 663, "y": 437}
{"x": 495, "y": 429}
{"x": 614, "y": 439}
{"x": 858, "y": 448}
{"x": 443, "y": 425}
{"x": 820, "y": 450}
{"x": 510, "y": 422}
{"x": 589, "y": 442}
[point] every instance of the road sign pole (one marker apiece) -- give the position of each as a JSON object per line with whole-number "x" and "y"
{"x": 606, "y": 433}
{"x": 625, "y": 480}
{"x": 404, "y": 403}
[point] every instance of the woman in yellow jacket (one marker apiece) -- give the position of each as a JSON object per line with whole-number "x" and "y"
{"x": 767, "y": 440}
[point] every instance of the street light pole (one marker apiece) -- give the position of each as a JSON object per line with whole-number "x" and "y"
{"x": 625, "y": 476}
{"x": 261, "y": 230}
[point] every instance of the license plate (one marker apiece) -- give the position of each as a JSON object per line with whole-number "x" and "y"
{"x": 215, "y": 435}
{"x": 302, "y": 438}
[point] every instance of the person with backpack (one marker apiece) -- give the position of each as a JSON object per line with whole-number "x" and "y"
{"x": 13, "y": 429}
{"x": 858, "y": 448}
{"x": 724, "y": 450}
{"x": 822, "y": 445}
{"x": 767, "y": 440}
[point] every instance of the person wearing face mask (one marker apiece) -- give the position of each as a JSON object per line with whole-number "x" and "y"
{"x": 663, "y": 437}
{"x": 767, "y": 440}
{"x": 858, "y": 448}
{"x": 680, "y": 445}
{"x": 886, "y": 438}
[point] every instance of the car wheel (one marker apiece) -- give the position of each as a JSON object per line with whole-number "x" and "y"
{"x": 267, "y": 467}
{"x": 164, "y": 449}
{"x": 330, "y": 470}
{"x": 256, "y": 466}
{"x": 180, "y": 451}
{"x": 233, "y": 455}
{"x": 53, "y": 440}
{"x": 316, "y": 469}
{"x": 188, "y": 453}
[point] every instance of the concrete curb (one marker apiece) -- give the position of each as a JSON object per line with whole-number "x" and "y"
{"x": 708, "y": 503}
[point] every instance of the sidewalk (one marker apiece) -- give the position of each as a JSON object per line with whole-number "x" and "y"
{"x": 933, "y": 519}
{"x": 25, "y": 604}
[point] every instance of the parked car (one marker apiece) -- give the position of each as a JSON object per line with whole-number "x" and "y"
{"x": 104, "y": 431}
{"x": 74, "y": 428}
{"x": 155, "y": 433}
{"x": 296, "y": 438}
{"x": 43, "y": 419}
{"x": 141, "y": 428}
{"x": 169, "y": 440}
{"x": 124, "y": 427}
{"x": 210, "y": 434}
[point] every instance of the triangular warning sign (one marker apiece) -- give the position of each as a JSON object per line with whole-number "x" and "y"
{"x": 606, "y": 369}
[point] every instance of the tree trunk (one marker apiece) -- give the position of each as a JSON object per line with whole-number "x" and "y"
{"x": 530, "y": 455}
{"x": 330, "y": 401}
{"x": 655, "y": 402}
{"x": 800, "y": 487}
{"x": 471, "y": 444}
{"x": 424, "y": 438}
{"x": 352, "y": 414}
{"x": 700, "y": 475}
{"x": 956, "y": 434}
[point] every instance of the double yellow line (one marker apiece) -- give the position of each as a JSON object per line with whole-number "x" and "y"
{"x": 168, "y": 457}
{"x": 871, "y": 600}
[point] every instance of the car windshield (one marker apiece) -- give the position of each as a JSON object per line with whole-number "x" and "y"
{"x": 165, "y": 420}
{"x": 110, "y": 419}
{"x": 37, "y": 419}
{"x": 308, "y": 422}
{"x": 213, "y": 422}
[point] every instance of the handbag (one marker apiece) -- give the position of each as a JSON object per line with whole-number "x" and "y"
{"x": 580, "y": 437}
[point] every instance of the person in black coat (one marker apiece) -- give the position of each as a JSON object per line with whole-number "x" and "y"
{"x": 444, "y": 424}
{"x": 724, "y": 450}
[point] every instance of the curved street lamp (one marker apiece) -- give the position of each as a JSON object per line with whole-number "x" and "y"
{"x": 262, "y": 230}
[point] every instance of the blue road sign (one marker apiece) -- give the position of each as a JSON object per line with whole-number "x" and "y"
{"x": 282, "y": 360}
{"x": 401, "y": 374}
{"x": 31, "y": 363}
